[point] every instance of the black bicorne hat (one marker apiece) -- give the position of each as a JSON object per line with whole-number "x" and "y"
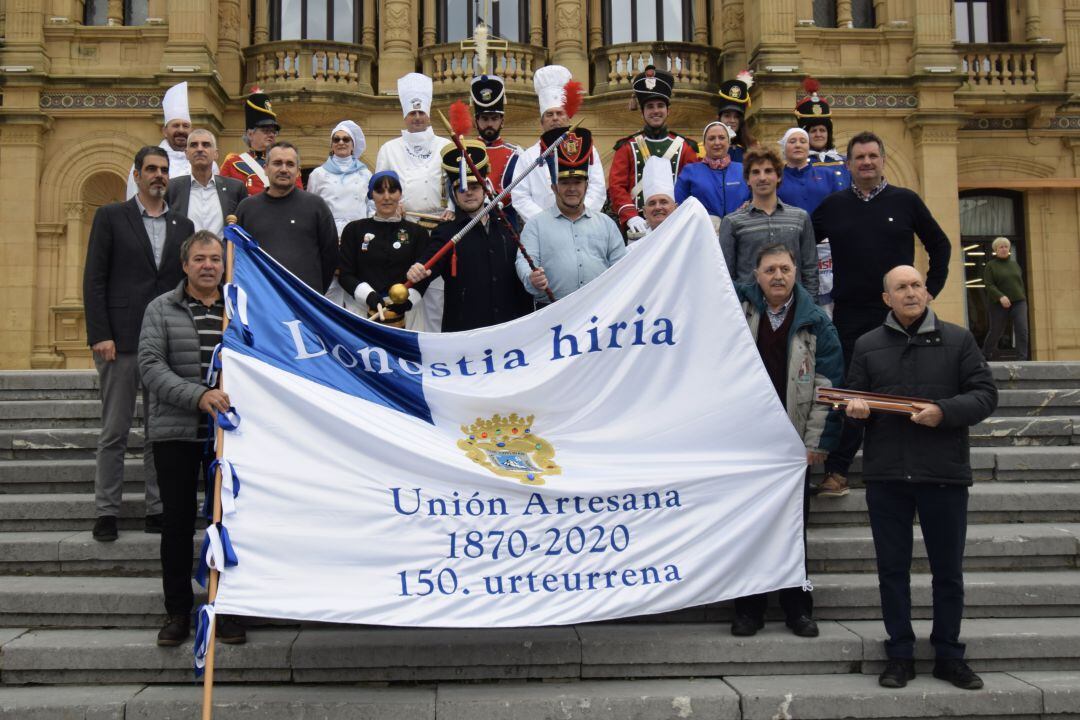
{"x": 258, "y": 112}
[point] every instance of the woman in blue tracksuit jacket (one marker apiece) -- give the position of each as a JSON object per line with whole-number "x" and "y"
{"x": 717, "y": 181}
{"x": 804, "y": 184}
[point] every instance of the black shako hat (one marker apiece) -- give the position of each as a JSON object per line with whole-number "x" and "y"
{"x": 258, "y": 112}
{"x": 574, "y": 154}
{"x": 457, "y": 170}
{"x": 653, "y": 84}
{"x": 735, "y": 94}
{"x": 488, "y": 94}
{"x": 813, "y": 110}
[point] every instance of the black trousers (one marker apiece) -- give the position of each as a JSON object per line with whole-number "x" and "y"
{"x": 852, "y": 322}
{"x": 942, "y": 511}
{"x": 180, "y": 469}
{"x": 794, "y": 601}
{"x": 998, "y": 316}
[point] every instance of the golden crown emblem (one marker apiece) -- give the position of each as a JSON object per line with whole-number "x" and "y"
{"x": 509, "y": 448}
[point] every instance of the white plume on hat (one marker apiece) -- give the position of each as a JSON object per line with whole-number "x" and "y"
{"x": 414, "y": 92}
{"x": 175, "y": 103}
{"x": 656, "y": 178}
{"x": 359, "y": 144}
{"x": 550, "y": 82}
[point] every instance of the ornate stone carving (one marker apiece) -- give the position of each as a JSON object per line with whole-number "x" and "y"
{"x": 396, "y": 33}
{"x": 568, "y": 24}
{"x": 229, "y": 20}
{"x": 100, "y": 100}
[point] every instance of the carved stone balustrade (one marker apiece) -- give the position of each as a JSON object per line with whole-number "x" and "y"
{"x": 311, "y": 65}
{"x": 1010, "y": 67}
{"x": 695, "y": 67}
{"x": 451, "y": 67}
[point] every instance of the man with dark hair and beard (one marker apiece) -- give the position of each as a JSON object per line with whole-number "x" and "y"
{"x": 488, "y": 98}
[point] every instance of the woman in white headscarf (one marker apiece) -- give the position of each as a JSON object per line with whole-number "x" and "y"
{"x": 804, "y": 184}
{"x": 342, "y": 181}
{"x": 717, "y": 181}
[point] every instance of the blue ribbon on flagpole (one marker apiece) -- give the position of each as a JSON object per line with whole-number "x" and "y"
{"x": 238, "y": 236}
{"x": 204, "y": 620}
{"x": 208, "y": 553}
{"x": 214, "y": 368}
{"x": 236, "y": 309}
{"x": 228, "y": 420}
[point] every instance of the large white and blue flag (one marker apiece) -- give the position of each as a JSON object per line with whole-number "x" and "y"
{"x": 621, "y": 452}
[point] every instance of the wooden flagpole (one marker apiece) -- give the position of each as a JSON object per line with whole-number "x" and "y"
{"x": 219, "y": 444}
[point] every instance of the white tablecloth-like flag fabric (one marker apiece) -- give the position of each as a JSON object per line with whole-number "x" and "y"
{"x": 620, "y": 452}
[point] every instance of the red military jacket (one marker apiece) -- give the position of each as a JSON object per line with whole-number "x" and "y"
{"x": 503, "y": 157}
{"x": 628, "y": 162}
{"x": 236, "y": 168}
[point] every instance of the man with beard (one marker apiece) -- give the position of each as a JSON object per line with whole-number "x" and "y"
{"x": 175, "y": 131}
{"x": 534, "y": 194}
{"x": 489, "y": 96}
{"x": 570, "y": 243}
{"x": 262, "y": 131}
{"x": 482, "y": 288}
{"x": 294, "y": 226}
{"x": 133, "y": 256}
{"x": 652, "y": 92}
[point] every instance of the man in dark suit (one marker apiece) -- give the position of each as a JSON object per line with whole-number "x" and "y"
{"x": 203, "y": 197}
{"x": 132, "y": 257}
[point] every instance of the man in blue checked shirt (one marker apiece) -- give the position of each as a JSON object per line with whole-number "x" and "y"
{"x": 570, "y": 244}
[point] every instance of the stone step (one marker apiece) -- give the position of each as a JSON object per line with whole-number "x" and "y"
{"x": 1036, "y": 464}
{"x": 48, "y": 384}
{"x": 1035, "y": 402}
{"x": 59, "y": 443}
{"x": 50, "y": 414}
{"x": 1037, "y": 374}
{"x": 62, "y": 476}
{"x": 1017, "y": 546}
{"x": 63, "y": 511}
{"x": 1024, "y": 431}
{"x": 988, "y": 502}
{"x": 134, "y": 554}
{"x": 349, "y": 654}
{"x": 86, "y": 601}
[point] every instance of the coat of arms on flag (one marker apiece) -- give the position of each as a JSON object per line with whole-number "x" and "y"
{"x": 509, "y": 448}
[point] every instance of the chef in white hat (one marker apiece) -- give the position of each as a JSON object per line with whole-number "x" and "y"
{"x": 534, "y": 193}
{"x": 416, "y": 157}
{"x": 175, "y": 131}
{"x": 658, "y": 189}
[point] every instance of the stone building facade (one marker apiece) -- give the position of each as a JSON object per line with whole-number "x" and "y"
{"x": 977, "y": 102}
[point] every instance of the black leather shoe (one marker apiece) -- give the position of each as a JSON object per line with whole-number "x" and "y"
{"x": 230, "y": 631}
{"x": 897, "y": 673}
{"x": 745, "y": 626}
{"x": 105, "y": 529}
{"x": 176, "y": 630}
{"x": 153, "y": 524}
{"x": 958, "y": 673}
{"x": 803, "y": 626}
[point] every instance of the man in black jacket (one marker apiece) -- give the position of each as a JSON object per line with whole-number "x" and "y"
{"x": 920, "y": 464}
{"x": 133, "y": 256}
{"x": 203, "y": 197}
{"x": 871, "y": 228}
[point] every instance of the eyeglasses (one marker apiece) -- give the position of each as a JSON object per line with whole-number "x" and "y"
{"x": 341, "y": 139}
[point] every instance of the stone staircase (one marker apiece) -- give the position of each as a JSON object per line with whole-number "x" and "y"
{"x": 78, "y": 618}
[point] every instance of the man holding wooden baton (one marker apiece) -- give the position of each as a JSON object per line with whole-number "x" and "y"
{"x": 920, "y": 463}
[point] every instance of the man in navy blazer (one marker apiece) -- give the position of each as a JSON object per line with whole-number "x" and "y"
{"x": 203, "y": 197}
{"x": 132, "y": 257}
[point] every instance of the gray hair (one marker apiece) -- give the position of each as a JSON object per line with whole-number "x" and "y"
{"x": 203, "y": 131}
{"x": 998, "y": 242}
{"x": 200, "y": 237}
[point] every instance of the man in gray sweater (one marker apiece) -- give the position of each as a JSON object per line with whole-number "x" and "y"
{"x": 293, "y": 226}
{"x": 179, "y": 333}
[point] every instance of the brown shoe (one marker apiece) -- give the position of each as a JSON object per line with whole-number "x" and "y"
{"x": 834, "y": 485}
{"x": 230, "y": 631}
{"x": 176, "y": 630}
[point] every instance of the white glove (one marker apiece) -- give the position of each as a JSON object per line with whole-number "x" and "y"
{"x": 637, "y": 225}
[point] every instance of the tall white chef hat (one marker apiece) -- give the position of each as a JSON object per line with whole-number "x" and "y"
{"x": 656, "y": 178}
{"x": 175, "y": 103}
{"x": 550, "y": 82}
{"x": 414, "y": 91}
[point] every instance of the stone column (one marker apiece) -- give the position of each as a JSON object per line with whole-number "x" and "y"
{"x": 1072, "y": 45}
{"x": 368, "y": 30}
{"x": 429, "y": 24}
{"x": 728, "y": 35}
{"x": 568, "y": 30}
{"x": 596, "y": 25}
{"x": 934, "y": 30}
{"x": 936, "y": 163}
{"x": 25, "y": 36}
{"x": 772, "y": 34}
{"x": 156, "y": 9}
{"x": 536, "y": 23}
{"x": 193, "y": 34}
{"x": 843, "y": 14}
{"x": 229, "y": 60}
{"x": 21, "y": 150}
{"x": 262, "y": 21}
{"x": 1033, "y": 21}
{"x": 115, "y": 12}
{"x": 71, "y": 287}
{"x": 397, "y": 54}
{"x": 701, "y": 22}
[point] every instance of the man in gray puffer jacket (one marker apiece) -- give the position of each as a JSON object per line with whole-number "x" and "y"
{"x": 179, "y": 332}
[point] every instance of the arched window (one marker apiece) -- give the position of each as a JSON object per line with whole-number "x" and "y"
{"x": 96, "y": 12}
{"x": 633, "y": 21}
{"x": 337, "y": 20}
{"x": 508, "y": 19}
